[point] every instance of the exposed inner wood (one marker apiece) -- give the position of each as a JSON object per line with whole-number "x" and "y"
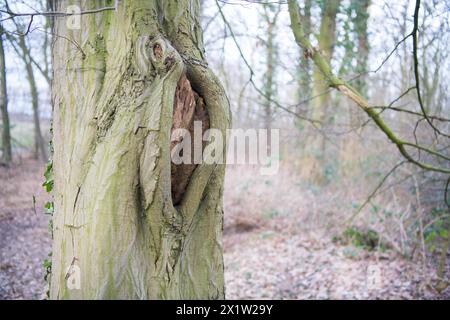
{"x": 188, "y": 107}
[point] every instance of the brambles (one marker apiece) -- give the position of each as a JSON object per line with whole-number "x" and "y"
{"x": 367, "y": 239}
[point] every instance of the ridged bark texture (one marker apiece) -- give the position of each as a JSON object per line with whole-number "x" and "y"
{"x": 114, "y": 94}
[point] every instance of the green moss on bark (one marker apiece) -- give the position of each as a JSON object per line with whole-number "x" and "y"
{"x": 112, "y": 160}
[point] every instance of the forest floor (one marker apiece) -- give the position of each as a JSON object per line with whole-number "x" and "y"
{"x": 24, "y": 237}
{"x": 264, "y": 258}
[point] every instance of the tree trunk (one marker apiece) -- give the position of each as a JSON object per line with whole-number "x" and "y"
{"x": 115, "y": 94}
{"x": 6, "y": 129}
{"x": 360, "y": 23}
{"x": 304, "y": 86}
{"x": 40, "y": 147}
{"x": 268, "y": 81}
{"x": 315, "y": 164}
{"x": 304, "y": 67}
{"x": 351, "y": 151}
{"x": 270, "y": 18}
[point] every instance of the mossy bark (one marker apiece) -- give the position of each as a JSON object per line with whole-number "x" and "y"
{"x": 115, "y": 222}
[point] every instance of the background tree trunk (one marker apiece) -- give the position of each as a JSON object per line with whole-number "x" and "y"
{"x": 360, "y": 24}
{"x": 40, "y": 148}
{"x": 351, "y": 148}
{"x": 114, "y": 95}
{"x": 270, "y": 17}
{"x": 304, "y": 66}
{"x": 21, "y": 48}
{"x": 6, "y": 129}
{"x": 314, "y": 167}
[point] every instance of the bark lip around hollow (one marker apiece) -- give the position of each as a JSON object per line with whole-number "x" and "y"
{"x": 135, "y": 226}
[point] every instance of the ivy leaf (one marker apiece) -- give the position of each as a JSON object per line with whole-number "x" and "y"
{"x": 48, "y": 174}
{"x": 34, "y": 204}
{"x": 49, "y": 209}
{"x": 47, "y": 264}
{"x": 431, "y": 236}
